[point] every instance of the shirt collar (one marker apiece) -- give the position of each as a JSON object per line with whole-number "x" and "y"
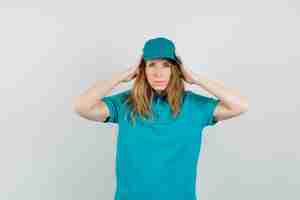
{"x": 158, "y": 99}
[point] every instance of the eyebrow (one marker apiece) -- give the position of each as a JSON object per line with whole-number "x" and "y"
{"x": 158, "y": 61}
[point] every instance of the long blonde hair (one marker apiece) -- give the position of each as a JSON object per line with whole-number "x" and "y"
{"x": 142, "y": 93}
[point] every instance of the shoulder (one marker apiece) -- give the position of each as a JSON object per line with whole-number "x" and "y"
{"x": 194, "y": 96}
{"x": 116, "y": 100}
{"x": 200, "y": 99}
{"x": 124, "y": 94}
{"x": 206, "y": 104}
{"x": 119, "y": 95}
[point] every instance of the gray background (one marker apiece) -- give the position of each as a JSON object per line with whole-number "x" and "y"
{"x": 52, "y": 51}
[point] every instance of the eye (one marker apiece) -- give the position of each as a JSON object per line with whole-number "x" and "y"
{"x": 166, "y": 65}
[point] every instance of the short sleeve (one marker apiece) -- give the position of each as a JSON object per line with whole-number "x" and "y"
{"x": 207, "y": 106}
{"x": 211, "y": 105}
{"x": 115, "y": 105}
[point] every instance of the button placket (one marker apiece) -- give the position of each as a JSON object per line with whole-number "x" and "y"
{"x": 159, "y": 107}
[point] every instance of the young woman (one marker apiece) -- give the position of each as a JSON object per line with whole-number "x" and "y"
{"x": 160, "y": 123}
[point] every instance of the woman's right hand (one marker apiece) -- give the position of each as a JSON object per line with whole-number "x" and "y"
{"x": 131, "y": 72}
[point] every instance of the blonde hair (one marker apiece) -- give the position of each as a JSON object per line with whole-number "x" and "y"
{"x": 141, "y": 95}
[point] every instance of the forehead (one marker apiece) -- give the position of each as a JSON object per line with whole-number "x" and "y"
{"x": 157, "y": 61}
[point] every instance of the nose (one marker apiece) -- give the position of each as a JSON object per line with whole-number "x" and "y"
{"x": 157, "y": 73}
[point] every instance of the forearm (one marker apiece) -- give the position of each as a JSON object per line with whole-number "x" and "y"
{"x": 99, "y": 89}
{"x": 232, "y": 99}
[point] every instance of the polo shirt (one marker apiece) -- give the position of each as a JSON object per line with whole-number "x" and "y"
{"x": 157, "y": 158}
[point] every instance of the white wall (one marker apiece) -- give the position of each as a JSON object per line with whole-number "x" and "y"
{"x": 51, "y": 51}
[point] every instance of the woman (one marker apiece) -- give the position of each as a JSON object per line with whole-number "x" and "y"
{"x": 160, "y": 123}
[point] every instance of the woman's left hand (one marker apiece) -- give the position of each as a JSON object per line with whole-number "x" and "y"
{"x": 188, "y": 76}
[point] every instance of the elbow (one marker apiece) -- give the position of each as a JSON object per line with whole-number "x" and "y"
{"x": 243, "y": 108}
{"x": 76, "y": 105}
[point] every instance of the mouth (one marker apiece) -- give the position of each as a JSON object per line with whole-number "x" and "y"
{"x": 159, "y": 82}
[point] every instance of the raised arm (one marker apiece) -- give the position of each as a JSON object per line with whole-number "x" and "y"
{"x": 89, "y": 104}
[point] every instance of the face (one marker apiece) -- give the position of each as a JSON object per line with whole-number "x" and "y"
{"x": 158, "y": 72}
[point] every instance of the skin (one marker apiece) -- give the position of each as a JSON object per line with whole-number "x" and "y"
{"x": 158, "y": 70}
{"x": 232, "y": 103}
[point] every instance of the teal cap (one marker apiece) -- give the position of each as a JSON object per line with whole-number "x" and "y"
{"x": 159, "y": 47}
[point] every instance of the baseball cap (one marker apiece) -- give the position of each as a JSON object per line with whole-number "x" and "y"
{"x": 159, "y": 47}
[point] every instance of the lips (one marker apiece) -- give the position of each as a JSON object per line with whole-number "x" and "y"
{"x": 159, "y": 82}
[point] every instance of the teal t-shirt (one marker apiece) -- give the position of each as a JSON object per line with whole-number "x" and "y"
{"x": 157, "y": 159}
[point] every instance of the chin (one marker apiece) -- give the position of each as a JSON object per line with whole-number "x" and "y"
{"x": 159, "y": 87}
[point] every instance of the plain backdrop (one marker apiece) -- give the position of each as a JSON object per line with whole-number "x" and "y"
{"x": 52, "y": 51}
